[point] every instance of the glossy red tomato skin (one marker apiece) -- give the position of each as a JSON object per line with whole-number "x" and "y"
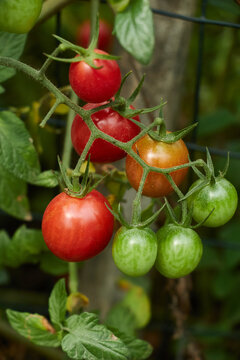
{"x": 77, "y": 229}
{"x": 105, "y": 38}
{"x": 95, "y": 85}
{"x": 160, "y": 155}
{"x": 111, "y": 123}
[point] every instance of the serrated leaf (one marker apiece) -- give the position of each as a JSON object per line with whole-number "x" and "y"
{"x": 13, "y": 198}
{"x": 57, "y": 303}
{"x": 51, "y": 264}
{"x": 17, "y": 153}
{"x": 25, "y": 247}
{"x": 121, "y": 318}
{"x": 134, "y": 30}
{"x": 4, "y": 243}
{"x": 88, "y": 340}
{"x": 11, "y": 45}
{"x": 139, "y": 349}
{"x": 47, "y": 178}
{"x": 34, "y": 327}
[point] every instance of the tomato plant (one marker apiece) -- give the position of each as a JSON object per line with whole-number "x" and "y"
{"x": 179, "y": 251}
{"x": 110, "y": 122}
{"x": 19, "y": 16}
{"x": 95, "y": 85}
{"x": 160, "y": 155}
{"x": 76, "y": 229}
{"x": 105, "y": 38}
{"x": 134, "y": 250}
{"x": 219, "y": 195}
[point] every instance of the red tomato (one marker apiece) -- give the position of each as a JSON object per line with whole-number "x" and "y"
{"x": 95, "y": 85}
{"x": 76, "y": 229}
{"x": 160, "y": 155}
{"x": 111, "y": 123}
{"x": 105, "y": 38}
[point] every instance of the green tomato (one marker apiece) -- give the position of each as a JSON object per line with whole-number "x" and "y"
{"x": 19, "y": 16}
{"x": 134, "y": 250}
{"x": 222, "y": 196}
{"x": 179, "y": 251}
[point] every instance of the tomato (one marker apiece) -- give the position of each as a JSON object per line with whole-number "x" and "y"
{"x": 76, "y": 229}
{"x": 134, "y": 250}
{"x": 95, "y": 85}
{"x": 19, "y": 16}
{"x": 221, "y": 195}
{"x": 111, "y": 123}
{"x": 179, "y": 251}
{"x": 160, "y": 155}
{"x": 105, "y": 38}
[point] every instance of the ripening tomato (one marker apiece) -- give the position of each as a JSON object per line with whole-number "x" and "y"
{"x": 111, "y": 123}
{"x": 160, "y": 155}
{"x": 19, "y": 16}
{"x": 220, "y": 196}
{"x": 105, "y": 38}
{"x": 179, "y": 251}
{"x": 134, "y": 250}
{"x": 76, "y": 229}
{"x": 95, "y": 85}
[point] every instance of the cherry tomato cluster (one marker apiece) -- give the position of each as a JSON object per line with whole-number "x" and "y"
{"x": 76, "y": 228}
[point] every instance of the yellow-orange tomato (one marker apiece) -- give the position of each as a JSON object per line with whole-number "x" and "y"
{"x": 160, "y": 155}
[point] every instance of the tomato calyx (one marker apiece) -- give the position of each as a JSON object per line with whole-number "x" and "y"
{"x": 79, "y": 184}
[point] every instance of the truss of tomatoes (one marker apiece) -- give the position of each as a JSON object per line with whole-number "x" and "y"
{"x": 78, "y": 228}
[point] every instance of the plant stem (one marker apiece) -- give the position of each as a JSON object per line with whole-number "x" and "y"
{"x": 94, "y": 14}
{"x": 73, "y": 277}
{"x": 136, "y": 215}
{"x": 67, "y": 146}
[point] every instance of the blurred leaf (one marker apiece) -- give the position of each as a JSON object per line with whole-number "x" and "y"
{"x": 17, "y": 153}
{"x": 139, "y": 303}
{"x": 53, "y": 265}
{"x": 47, "y": 178}
{"x": 121, "y": 318}
{"x": 215, "y": 122}
{"x": 218, "y": 354}
{"x": 34, "y": 327}
{"x": 134, "y": 30}
{"x": 230, "y": 233}
{"x": 223, "y": 284}
{"x": 88, "y": 340}
{"x": 4, "y": 243}
{"x": 57, "y": 303}
{"x": 13, "y": 199}
{"x": 227, "y": 5}
{"x": 210, "y": 259}
{"x": 4, "y": 277}
{"x": 11, "y": 45}
{"x": 118, "y": 5}
{"x": 25, "y": 247}
{"x": 2, "y": 90}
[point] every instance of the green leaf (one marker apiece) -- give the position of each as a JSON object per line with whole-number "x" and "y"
{"x": 87, "y": 340}
{"x": 216, "y": 122}
{"x": 118, "y": 5}
{"x": 4, "y": 277}
{"x": 226, "y": 5}
{"x": 2, "y": 90}
{"x": 230, "y": 233}
{"x": 121, "y": 318}
{"x": 134, "y": 30}
{"x": 34, "y": 327}
{"x": 53, "y": 265}
{"x": 139, "y": 349}
{"x": 11, "y": 45}
{"x": 47, "y": 178}
{"x": 57, "y": 303}
{"x": 17, "y": 153}
{"x": 25, "y": 247}
{"x": 13, "y": 199}
{"x": 4, "y": 243}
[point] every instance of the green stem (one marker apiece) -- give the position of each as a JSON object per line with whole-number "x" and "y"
{"x": 73, "y": 277}
{"x": 136, "y": 214}
{"x": 67, "y": 146}
{"x": 94, "y": 14}
{"x": 83, "y": 156}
